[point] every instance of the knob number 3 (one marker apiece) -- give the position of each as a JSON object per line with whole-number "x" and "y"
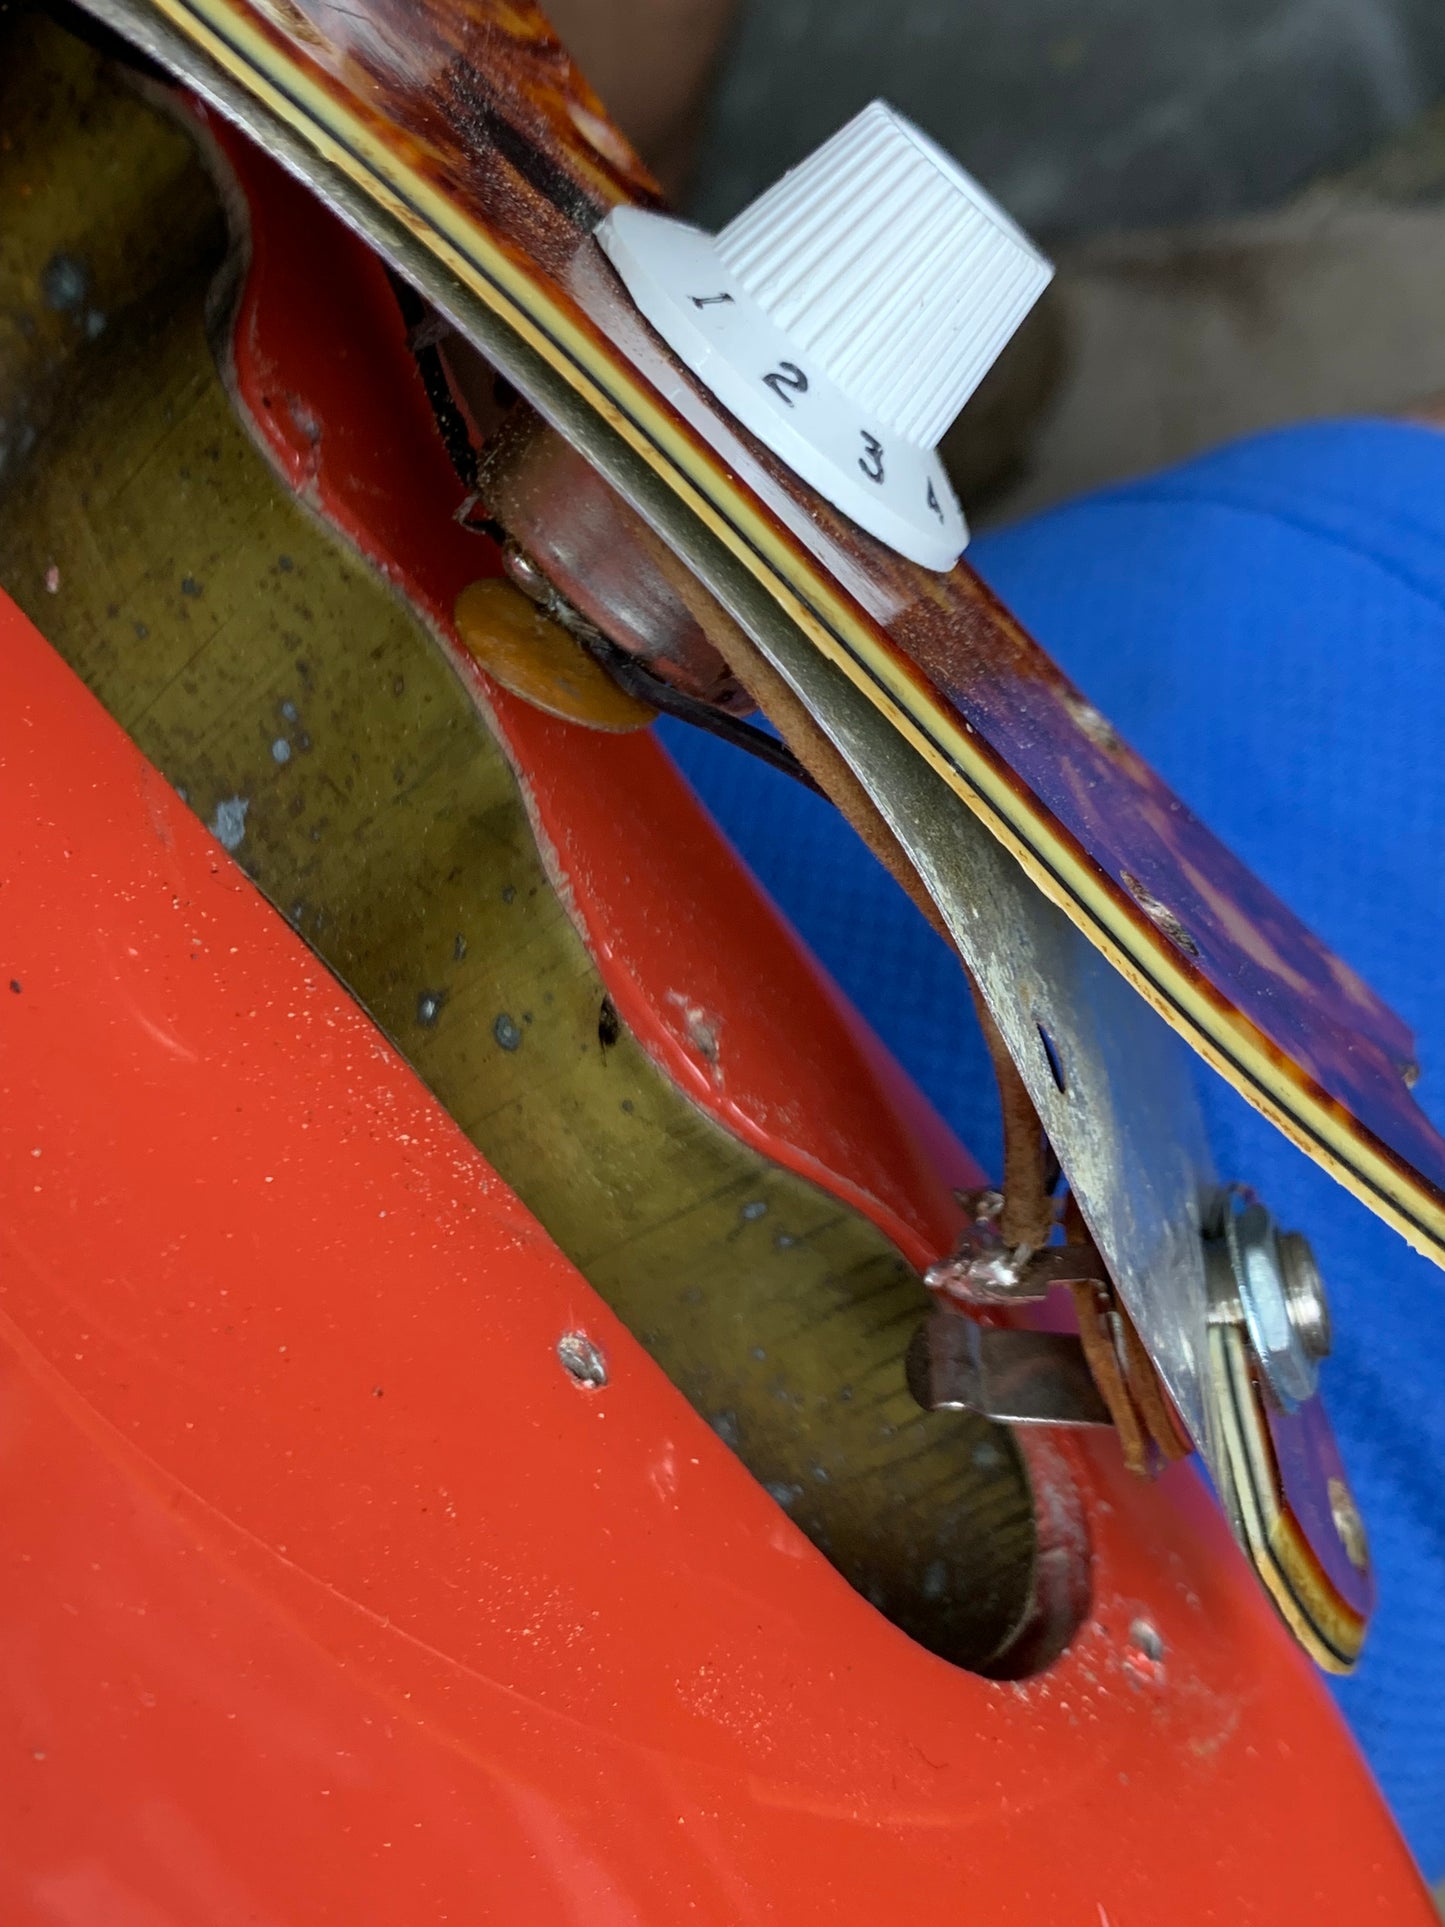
{"x": 871, "y": 460}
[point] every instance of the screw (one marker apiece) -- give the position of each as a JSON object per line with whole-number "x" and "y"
{"x": 1304, "y": 1292}
{"x": 583, "y": 1360}
{"x": 1268, "y": 1279}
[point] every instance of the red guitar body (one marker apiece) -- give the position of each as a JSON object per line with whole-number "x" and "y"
{"x": 328, "y": 1594}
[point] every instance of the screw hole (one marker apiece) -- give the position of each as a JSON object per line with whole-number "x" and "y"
{"x": 582, "y": 1360}
{"x": 1055, "y": 1067}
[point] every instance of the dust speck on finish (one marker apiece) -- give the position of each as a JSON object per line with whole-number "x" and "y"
{"x": 506, "y": 1032}
{"x": 609, "y": 1024}
{"x": 725, "y": 1424}
{"x": 429, "y": 1007}
{"x": 786, "y": 1495}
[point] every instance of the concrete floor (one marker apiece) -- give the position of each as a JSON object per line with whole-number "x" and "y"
{"x": 1182, "y": 337}
{"x": 1246, "y": 198}
{"x": 1084, "y": 114}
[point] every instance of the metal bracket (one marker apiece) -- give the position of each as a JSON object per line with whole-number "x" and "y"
{"x": 955, "y": 1364}
{"x": 1114, "y": 1091}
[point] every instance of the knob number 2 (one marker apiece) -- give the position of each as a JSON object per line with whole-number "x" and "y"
{"x": 786, "y": 380}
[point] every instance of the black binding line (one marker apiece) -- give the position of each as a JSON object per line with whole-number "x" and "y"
{"x": 1349, "y": 1661}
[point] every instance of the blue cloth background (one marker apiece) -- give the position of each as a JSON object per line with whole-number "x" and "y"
{"x": 1267, "y": 625}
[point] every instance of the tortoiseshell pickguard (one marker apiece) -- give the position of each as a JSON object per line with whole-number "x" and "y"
{"x": 460, "y": 138}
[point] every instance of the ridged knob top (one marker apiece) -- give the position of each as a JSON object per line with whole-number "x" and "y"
{"x": 889, "y": 265}
{"x": 845, "y": 318}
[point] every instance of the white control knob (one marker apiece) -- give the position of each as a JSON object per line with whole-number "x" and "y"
{"x": 846, "y": 317}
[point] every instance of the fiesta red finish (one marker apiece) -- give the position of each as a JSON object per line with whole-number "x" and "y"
{"x": 328, "y": 1596}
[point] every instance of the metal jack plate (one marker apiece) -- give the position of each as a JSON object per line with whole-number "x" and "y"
{"x": 1114, "y": 1091}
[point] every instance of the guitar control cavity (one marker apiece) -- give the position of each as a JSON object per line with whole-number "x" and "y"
{"x": 846, "y": 316}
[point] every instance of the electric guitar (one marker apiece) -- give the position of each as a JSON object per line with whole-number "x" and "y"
{"x": 520, "y": 393}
